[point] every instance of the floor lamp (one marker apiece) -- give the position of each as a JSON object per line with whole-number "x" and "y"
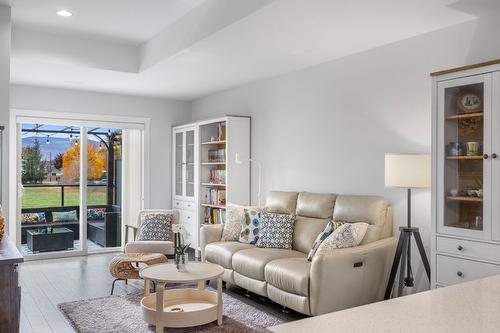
{"x": 407, "y": 171}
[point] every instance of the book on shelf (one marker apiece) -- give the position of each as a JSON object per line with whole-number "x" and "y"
{"x": 215, "y": 196}
{"x": 217, "y": 155}
{"x": 214, "y": 215}
{"x": 217, "y": 176}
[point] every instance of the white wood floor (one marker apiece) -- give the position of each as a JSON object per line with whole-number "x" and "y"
{"x": 46, "y": 283}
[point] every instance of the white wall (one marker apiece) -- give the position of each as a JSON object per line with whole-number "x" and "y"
{"x": 163, "y": 114}
{"x": 326, "y": 128}
{"x": 5, "y": 29}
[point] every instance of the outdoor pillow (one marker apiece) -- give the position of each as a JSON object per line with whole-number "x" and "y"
{"x": 330, "y": 227}
{"x": 155, "y": 227}
{"x": 33, "y": 218}
{"x": 69, "y": 216}
{"x": 250, "y": 225}
{"x": 347, "y": 235}
{"x": 233, "y": 225}
{"x": 96, "y": 214}
{"x": 276, "y": 231}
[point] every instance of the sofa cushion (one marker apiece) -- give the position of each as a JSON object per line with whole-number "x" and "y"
{"x": 69, "y": 216}
{"x": 317, "y": 205}
{"x": 305, "y": 231}
{"x": 289, "y": 274}
{"x": 250, "y": 226}
{"x": 155, "y": 226}
{"x": 221, "y": 253}
{"x": 363, "y": 208}
{"x": 276, "y": 231}
{"x": 251, "y": 262}
{"x": 234, "y": 216}
{"x": 347, "y": 235}
{"x": 281, "y": 202}
{"x": 330, "y": 227}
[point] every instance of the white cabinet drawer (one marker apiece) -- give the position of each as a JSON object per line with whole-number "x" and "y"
{"x": 455, "y": 270}
{"x": 187, "y": 217}
{"x": 471, "y": 249}
{"x": 185, "y": 205}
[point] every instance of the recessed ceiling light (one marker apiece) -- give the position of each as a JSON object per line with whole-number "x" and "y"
{"x": 64, "y": 13}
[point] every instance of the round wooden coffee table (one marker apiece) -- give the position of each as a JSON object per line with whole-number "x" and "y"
{"x": 184, "y": 307}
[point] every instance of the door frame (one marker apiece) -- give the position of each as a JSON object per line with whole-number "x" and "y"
{"x": 84, "y": 120}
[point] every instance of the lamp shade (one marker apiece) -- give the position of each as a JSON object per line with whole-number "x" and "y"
{"x": 408, "y": 170}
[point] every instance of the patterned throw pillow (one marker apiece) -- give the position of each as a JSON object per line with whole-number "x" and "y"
{"x": 234, "y": 216}
{"x": 330, "y": 227}
{"x": 347, "y": 235}
{"x": 33, "y": 218}
{"x": 156, "y": 227}
{"x": 94, "y": 214}
{"x": 250, "y": 226}
{"x": 70, "y": 216}
{"x": 276, "y": 230}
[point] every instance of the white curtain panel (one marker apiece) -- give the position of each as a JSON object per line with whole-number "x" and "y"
{"x": 132, "y": 194}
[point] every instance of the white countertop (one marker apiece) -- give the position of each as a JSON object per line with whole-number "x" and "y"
{"x": 468, "y": 307}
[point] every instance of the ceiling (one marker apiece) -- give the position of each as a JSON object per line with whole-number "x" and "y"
{"x": 185, "y": 49}
{"x": 126, "y": 21}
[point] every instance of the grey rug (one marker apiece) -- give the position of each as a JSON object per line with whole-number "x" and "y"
{"x": 122, "y": 314}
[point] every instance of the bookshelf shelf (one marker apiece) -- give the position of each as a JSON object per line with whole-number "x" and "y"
{"x": 213, "y": 206}
{"x": 220, "y": 142}
{"x": 464, "y": 157}
{"x": 213, "y": 184}
{"x": 465, "y": 116}
{"x": 469, "y": 199}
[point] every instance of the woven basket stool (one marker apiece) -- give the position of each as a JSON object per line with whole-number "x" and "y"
{"x": 122, "y": 266}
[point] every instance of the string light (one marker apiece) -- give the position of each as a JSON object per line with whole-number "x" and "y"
{"x": 48, "y": 141}
{"x": 100, "y": 145}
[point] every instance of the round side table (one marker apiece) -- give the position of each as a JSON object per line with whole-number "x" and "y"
{"x": 182, "y": 307}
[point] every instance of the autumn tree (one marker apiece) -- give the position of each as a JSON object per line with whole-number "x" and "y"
{"x": 58, "y": 161}
{"x": 96, "y": 162}
{"x": 34, "y": 166}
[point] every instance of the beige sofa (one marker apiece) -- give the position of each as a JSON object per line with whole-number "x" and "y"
{"x": 335, "y": 279}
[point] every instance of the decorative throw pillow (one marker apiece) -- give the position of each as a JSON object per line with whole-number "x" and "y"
{"x": 234, "y": 216}
{"x": 250, "y": 226}
{"x": 330, "y": 227}
{"x": 347, "y": 235}
{"x": 156, "y": 227}
{"x": 276, "y": 230}
{"x": 94, "y": 214}
{"x": 33, "y": 218}
{"x": 70, "y": 216}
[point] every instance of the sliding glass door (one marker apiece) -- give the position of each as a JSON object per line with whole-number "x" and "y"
{"x": 73, "y": 183}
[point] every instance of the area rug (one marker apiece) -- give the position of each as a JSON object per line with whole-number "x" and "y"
{"x": 122, "y": 314}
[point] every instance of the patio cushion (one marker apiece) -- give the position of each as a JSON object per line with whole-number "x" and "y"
{"x": 251, "y": 262}
{"x": 33, "y": 218}
{"x": 221, "y": 253}
{"x": 64, "y": 216}
{"x": 94, "y": 214}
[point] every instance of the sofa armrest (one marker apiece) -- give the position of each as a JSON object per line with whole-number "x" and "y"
{"x": 345, "y": 278}
{"x": 209, "y": 233}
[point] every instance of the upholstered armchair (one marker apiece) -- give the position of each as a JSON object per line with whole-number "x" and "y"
{"x": 149, "y": 246}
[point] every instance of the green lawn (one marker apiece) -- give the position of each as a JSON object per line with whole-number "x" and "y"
{"x": 34, "y": 197}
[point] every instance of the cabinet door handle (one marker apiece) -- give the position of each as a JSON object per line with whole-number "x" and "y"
{"x": 494, "y": 155}
{"x": 460, "y": 274}
{"x": 460, "y": 248}
{"x": 486, "y": 156}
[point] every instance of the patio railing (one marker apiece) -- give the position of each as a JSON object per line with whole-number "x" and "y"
{"x": 63, "y": 190}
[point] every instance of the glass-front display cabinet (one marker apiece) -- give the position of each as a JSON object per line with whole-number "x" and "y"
{"x": 464, "y": 168}
{"x": 184, "y": 162}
